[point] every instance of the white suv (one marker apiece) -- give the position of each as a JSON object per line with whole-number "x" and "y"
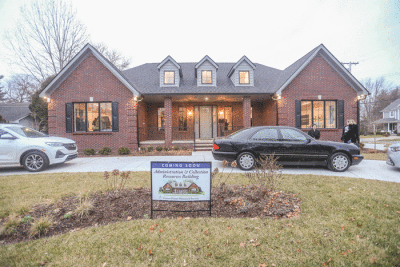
{"x": 21, "y": 145}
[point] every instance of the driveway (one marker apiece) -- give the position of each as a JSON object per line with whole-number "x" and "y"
{"x": 368, "y": 169}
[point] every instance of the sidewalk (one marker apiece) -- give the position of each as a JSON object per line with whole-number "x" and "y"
{"x": 368, "y": 169}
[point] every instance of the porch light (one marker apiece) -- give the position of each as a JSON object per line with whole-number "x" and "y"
{"x": 276, "y": 97}
{"x": 221, "y": 113}
{"x": 206, "y": 98}
{"x": 190, "y": 113}
{"x": 361, "y": 97}
{"x": 48, "y": 100}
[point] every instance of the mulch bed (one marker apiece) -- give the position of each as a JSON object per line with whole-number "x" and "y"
{"x": 109, "y": 207}
{"x": 141, "y": 153}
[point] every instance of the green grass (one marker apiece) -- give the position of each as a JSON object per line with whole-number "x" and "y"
{"x": 353, "y": 222}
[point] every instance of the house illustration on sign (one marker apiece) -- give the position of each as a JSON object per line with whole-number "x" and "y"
{"x": 174, "y": 187}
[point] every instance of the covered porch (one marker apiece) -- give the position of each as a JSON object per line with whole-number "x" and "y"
{"x": 187, "y": 120}
{"x": 390, "y": 125}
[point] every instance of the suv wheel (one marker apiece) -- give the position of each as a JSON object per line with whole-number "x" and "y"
{"x": 246, "y": 161}
{"x": 35, "y": 161}
{"x": 339, "y": 162}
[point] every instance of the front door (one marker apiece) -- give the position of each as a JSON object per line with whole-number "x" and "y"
{"x": 205, "y": 122}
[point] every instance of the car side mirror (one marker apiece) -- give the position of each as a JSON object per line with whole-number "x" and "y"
{"x": 8, "y": 137}
{"x": 308, "y": 140}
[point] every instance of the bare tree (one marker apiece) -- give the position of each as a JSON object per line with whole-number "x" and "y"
{"x": 20, "y": 88}
{"x": 113, "y": 56}
{"x": 48, "y": 36}
{"x": 2, "y": 93}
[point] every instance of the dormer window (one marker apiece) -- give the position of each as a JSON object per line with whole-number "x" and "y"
{"x": 206, "y": 76}
{"x": 244, "y": 77}
{"x": 169, "y": 77}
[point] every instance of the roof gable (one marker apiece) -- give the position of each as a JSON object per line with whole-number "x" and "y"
{"x": 14, "y": 112}
{"x": 244, "y": 58}
{"x": 204, "y": 59}
{"x": 169, "y": 58}
{"x": 75, "y": 62}
{"x": 392, "y": 106}
{"x": 291, "y": 72}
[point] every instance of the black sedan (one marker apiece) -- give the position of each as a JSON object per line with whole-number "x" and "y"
{"x": 290, "y": 145}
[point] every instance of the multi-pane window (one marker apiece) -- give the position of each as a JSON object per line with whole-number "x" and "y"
{"x": 322, "y": 113}
{"x": 244, "y": 77}
{"x": 228, "y": 118}
{"x": 169, "y": 77}
{"x": 206, "y": 76}
{"x": 92, "y": 117}
{"x": 161, "y": 119}
{"x": 182, "y": 119}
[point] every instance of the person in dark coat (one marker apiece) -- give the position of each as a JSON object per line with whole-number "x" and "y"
{"x": 314, "y": 132}
{"x": 350, "y": 133}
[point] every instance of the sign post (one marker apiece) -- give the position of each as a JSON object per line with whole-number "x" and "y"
{"x": 180, "y": 182}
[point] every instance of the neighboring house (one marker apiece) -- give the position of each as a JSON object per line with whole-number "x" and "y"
{"x": 391, "y": 117}
{"x": 171, "y": 103}
{"x": 17, "y": 113}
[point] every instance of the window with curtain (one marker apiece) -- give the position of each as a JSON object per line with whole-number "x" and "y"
{"x": 228, "y": 118}
{"x": 320, "y": 112}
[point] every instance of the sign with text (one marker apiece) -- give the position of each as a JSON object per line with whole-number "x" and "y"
{"x": 181, "y": 181}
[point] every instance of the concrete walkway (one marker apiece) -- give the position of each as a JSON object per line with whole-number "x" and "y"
{"x": 368, "y": 169}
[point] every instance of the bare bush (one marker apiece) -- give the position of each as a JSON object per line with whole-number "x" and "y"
{"x": 266, "y": 176}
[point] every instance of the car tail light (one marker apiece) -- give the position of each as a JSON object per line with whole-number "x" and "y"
{"x": 215, "y": 147}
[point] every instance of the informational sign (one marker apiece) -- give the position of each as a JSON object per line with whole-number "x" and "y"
{"x": 181, "y": 181}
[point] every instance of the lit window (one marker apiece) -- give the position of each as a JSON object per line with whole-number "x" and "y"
{"x": 321, "y": 113}
{"x": 228, "y": 118}
{"x": 244, "y": 77}
{"x": 206, "y": 76}
{"x": 161, "y": 119}
{"x": 182, "y": 119}
{"x": 92, "y": 117}
{"x": 169, "y": 77}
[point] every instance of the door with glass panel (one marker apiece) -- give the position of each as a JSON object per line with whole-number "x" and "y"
{"x": 205, "y": 119}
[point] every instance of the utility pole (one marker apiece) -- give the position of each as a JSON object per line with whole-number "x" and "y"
{"x": 350, "y": 63}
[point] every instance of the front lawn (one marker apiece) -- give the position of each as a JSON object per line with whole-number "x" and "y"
{"x": 343, "y": 222}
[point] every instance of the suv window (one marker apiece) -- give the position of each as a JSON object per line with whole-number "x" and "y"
{"x": 25, "y": 131}
{"x": 4, "y": 134}
{"x": 292, "y": 135}
{"x": 268, "y": 134}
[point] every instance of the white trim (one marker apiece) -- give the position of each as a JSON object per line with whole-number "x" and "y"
{"x": 101, "y": 59}
{"x": 166, "y": 60}
{"x": 322, "y": 47}
{"x": 239, "y": 62}
{"x": 204, "y": 59}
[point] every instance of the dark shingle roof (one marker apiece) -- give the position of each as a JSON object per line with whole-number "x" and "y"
{"x": 14, "y": 111}
{"x": 146, "y": 78}
{"x": 392, "y": 105}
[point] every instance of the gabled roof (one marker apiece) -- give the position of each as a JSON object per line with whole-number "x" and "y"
{"x": 169, "y": 58}
{"x": 244, "y": 58}
{"x": 14, "y": 112}
{"x": 392, "y": 106}
{"x": 204, "y": 59}
{"x": 291, "y": 72}
{"x": 75, "y": 62}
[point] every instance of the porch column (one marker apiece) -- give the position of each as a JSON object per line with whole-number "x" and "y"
{"x": 246, "y": 111}
{"x": 168, "y": 121}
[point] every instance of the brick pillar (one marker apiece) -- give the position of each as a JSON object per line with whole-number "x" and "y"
{"x": 132, "y": 124}
{"x": 168, "y": 121}
{"x": 246, "y": 111}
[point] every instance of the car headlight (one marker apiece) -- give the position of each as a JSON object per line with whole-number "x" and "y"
{"x": 54, "y": 144}
{"x": 395, "y": 149}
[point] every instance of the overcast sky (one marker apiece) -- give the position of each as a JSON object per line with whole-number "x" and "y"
{"x": 273, "y": 33}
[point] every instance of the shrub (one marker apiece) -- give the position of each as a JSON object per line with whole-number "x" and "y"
{"x": 117, "y": 181}
{"x": 159, "y": 148}
{"x": 9, "y": 226}
{"x": 166, "y": 148}
{"x": 84, "y": 208}
{"x": 361, "y": 145}
{"x": 267, "y": 175}
{"x": 123, "y": 151}
{"x": 89, "y": 151}
{"x": 184, "y": 148}
{"x": 67, "y": 215}
{"x": 176, "y": 148}
{"x": 398, "y": 134}
{"x": 105, "y": 151}
{"x": 41, "y": 226}
{"x": 150, "y": 149}
{"x": 386, "y": 134}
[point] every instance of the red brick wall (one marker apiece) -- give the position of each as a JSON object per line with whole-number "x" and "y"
{"x": 92, "y": 79}
{"x": 269, "y": 115}
{"x": 317, "y": 78}
{"x": 246, "y": 111}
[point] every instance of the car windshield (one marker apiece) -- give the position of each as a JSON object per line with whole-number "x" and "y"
{"x": 239, "y": 134}
{"x": 27, "y": 132}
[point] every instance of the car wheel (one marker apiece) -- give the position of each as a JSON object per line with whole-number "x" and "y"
{"x": 246, "y": 161}
{"x": 339, "y": 162}
{"x": 35, "y": 161}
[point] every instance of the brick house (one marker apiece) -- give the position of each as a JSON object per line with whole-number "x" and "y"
{"x": 171, "y": 103}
